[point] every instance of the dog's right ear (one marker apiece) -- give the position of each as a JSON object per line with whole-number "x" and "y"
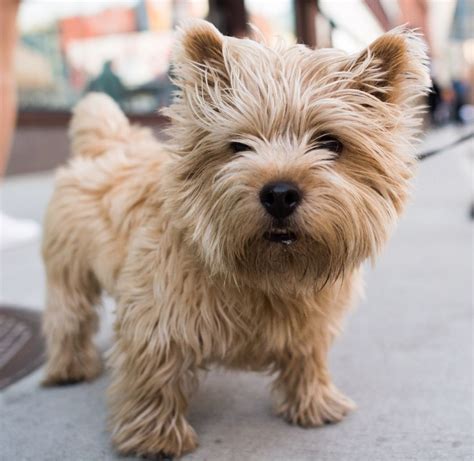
{"x": 198, "y": 54}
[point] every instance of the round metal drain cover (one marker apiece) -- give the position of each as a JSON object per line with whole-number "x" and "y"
{"x": 21, "y": 344}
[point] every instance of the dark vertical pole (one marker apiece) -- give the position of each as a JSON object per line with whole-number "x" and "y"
{"x": 229, "y": 16}
{"x": 305, "y": 16}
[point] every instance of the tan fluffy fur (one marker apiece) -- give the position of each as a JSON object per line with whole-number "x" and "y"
{"x": 174, "y": 231}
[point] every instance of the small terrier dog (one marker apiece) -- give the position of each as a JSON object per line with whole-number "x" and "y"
{"x": 239, "y": 241}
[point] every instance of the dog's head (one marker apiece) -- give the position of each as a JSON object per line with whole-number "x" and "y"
{"x": 291, "y": 165}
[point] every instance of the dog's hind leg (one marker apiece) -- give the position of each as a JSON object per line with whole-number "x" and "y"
{"x": 69, "y": 322}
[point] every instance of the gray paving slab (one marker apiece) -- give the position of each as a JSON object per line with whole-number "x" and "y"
{"x": 405, "y": 357}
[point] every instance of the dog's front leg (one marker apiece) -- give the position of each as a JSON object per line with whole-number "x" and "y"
{"x": 151, "y": 383}
{"x": 308, "y": 397}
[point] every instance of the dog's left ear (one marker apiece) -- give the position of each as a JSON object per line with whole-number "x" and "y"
{"x": 198, "y": 54}
{"x": 394, "y": 68}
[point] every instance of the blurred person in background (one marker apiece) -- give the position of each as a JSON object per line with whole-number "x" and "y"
{"x": 108, "y": 82}
{"x": 13, "y": 231}
{"x": 447, "y": 28}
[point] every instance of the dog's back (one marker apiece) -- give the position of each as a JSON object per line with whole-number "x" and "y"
{"x": 101, "y": 195}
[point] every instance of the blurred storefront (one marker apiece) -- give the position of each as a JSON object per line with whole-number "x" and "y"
{"x": 122, "y": 47}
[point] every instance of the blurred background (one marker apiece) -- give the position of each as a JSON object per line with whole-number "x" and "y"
{"x": 407, "y": 356}
{"x": 122, "y": 47}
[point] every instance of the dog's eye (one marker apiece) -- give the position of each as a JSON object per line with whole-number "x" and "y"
{"x": 238, "y": 147}
{"x": 329, "y": 142}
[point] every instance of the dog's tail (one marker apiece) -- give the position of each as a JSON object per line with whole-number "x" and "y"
{"x": 98, "y": 125}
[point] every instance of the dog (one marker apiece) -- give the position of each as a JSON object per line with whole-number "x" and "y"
{"x": 239, "y": 241}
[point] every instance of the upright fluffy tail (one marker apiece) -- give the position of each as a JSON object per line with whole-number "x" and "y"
{"x": 98, "y": 125}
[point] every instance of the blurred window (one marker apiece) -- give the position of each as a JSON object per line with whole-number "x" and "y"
{"x": 121, "y": 47}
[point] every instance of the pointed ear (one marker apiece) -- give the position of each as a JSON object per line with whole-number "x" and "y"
{"x": 198, "y": 52}
{"x": 394, "y": 68}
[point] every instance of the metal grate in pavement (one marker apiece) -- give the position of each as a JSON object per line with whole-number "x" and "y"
{"x": 21, "y": 345}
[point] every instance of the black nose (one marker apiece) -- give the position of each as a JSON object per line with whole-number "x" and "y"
{"x": 280, "y": 199}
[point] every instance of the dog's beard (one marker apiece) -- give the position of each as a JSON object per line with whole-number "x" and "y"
{"x": 300, "y": 262}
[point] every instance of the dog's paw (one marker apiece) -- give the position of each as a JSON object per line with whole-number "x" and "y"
{"x": 177, "y": 441}
{"x": 71, "y": 368}
{"x": 327, "y": 406}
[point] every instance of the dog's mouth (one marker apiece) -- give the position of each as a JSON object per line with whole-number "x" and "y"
{"x": 283, "y": 236}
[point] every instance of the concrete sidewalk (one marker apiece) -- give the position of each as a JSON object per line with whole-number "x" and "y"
{"x": 405, "y": 358}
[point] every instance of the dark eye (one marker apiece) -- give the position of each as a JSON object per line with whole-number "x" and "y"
{"x": 329, "y": 142}
{"x": 238, "y": 147}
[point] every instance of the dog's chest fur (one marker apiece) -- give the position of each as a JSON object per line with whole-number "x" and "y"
{"x": 231, "y": 325}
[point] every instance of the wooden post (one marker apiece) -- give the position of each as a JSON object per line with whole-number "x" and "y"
{"x": 229, "y": 16}
{"x": 305, "y": 16}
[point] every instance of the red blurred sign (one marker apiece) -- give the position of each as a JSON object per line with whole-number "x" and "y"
{"x": 110, "y": 21}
